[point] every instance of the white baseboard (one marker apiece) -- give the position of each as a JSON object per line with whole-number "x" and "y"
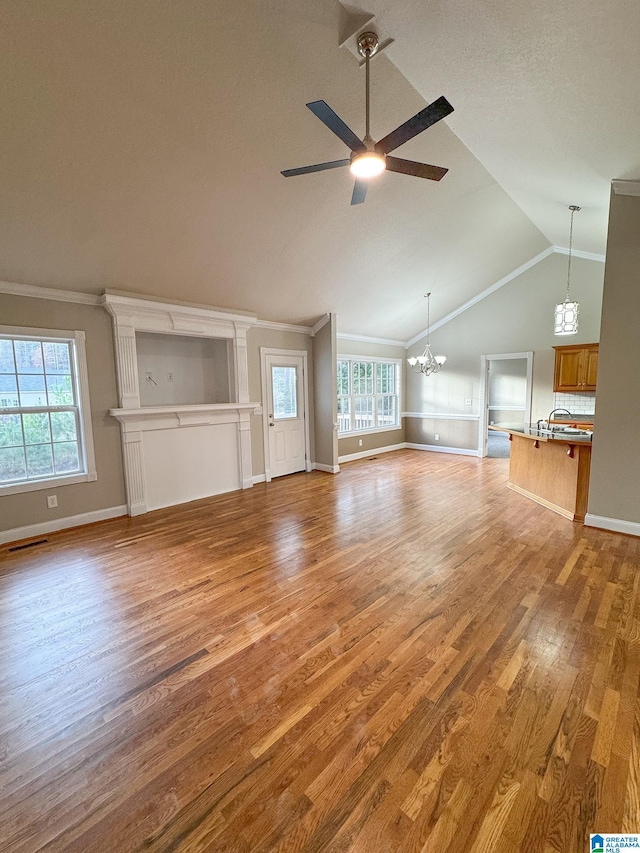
{"x": 617, "y": 525}
{"x": 362, "y": 454}
{"x": 329, "y": 469}
{"x": 259, "y": 478}
{"x": 31, "y": 530}
{"x": 437, "y": 448}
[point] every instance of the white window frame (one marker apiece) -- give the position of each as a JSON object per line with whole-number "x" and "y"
{"x": 81, "y": 381}
{"x": 375, "y": 361}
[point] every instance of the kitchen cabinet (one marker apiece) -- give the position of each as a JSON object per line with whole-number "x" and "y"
{"x": 576, "y": 368}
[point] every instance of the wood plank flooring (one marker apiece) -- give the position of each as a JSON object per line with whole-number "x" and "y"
{"x": 407, "y": 656}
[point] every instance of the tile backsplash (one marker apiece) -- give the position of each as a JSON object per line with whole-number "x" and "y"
{"x": 578, "y": 404}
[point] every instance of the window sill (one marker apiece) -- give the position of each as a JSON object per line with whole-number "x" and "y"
{"x": 369, "y": 431}
{"x": 49, "y": 483}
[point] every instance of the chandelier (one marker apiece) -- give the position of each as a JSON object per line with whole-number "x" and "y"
{"x": 427, "y": 363}
{"x": 566, "y": 316}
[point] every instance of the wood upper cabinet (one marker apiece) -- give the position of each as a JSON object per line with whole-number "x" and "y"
{"x": 576, "y": 368}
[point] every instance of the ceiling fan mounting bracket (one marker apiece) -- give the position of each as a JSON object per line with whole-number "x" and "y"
{"x": 368, "y": 44}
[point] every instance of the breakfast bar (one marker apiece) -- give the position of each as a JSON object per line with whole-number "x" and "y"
{"x": 551, "y": 467}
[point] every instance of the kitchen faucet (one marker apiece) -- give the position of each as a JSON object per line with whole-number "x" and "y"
{"x": 551, "y": 414}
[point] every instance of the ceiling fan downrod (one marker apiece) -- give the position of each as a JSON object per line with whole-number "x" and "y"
{"x": 367, "y": 47}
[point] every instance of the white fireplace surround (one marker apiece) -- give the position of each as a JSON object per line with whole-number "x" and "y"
{"x": 173, "y": 454}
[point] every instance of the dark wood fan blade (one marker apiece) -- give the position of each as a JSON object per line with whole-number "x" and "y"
{"x": 413, "y": 126}
{"x": 359, "y": 192}
{"x": 319, "y": 167}
{"x": 335, "y": 123}
{"x": 419, "y": 170}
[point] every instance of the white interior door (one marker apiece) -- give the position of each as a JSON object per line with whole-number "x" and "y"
{"x": 286, "y": 414}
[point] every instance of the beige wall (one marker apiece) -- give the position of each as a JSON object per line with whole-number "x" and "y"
{"x": 516, "y": 318}
{"x": 615, "y": 470}
{"x": 272, "y": 339}
{"x": 372, "y": 440}
{"x": 108, "y": 491}
{"x": 325, "y": 355}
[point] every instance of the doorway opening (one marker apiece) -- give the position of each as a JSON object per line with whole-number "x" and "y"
{"x": 505, "y": 399}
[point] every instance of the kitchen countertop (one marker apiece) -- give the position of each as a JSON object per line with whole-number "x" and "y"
{"x": 532, "y": 432}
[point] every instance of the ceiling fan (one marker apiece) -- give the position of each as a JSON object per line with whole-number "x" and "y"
{"x": 369, "y": 158}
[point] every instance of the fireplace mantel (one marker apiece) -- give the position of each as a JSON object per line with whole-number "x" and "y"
{"x": 177, "y": 453}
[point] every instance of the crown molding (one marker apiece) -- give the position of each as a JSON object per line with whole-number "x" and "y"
{"x": 626, "y": 187}
{"x": 489, "y": 290}
{"x": 284, "y": 327}
{"x": 576, "y": 253}
{"x": 321, "y": 322}
{"x": 368, "y": 340}
{"x": 13, "y": 288}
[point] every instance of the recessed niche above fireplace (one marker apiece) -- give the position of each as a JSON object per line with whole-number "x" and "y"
{"x": 183, "y": 370}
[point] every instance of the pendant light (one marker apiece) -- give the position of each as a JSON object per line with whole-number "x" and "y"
{"x": 427, "y": 363}
{"x": 566, "y": 317}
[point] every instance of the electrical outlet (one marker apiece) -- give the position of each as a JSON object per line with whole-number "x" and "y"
{"x": 359, "y": 442}
{"x": 169, "y": 377}
{"x": 52, "y": 501}
{"x": 436, "y": 437}
{"x": 468, "y": 401}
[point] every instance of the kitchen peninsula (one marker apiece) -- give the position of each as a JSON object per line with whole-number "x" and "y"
{"x": 551, "y": 467}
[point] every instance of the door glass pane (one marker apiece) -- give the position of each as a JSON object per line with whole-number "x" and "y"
{"x": 284, "y": 387}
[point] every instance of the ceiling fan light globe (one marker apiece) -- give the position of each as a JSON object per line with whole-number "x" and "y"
{"x": 412, "y": 361}
{"x": 367, "y": 164}
{"x": 422, "y": 359}
{"x": 441, "y": 359}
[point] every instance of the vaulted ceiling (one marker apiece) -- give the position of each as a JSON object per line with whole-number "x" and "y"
{"x": 142, "y": 145}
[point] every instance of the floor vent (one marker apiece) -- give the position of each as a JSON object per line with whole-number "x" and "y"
{"x": 27, "y": 545}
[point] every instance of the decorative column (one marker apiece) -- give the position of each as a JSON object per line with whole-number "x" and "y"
{"x": 244, "y": 448}
{"x": 241, "y": 363}
{"x": 133, "y": 456}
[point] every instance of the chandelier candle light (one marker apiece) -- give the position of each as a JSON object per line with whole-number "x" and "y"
{"x": 566, "y": 316}
{"x": 427, "y": 363}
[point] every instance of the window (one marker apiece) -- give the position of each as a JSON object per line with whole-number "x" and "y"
{"x": 284, "y": 385}
{"x": 368, "y": 394}
{"x": 45, "y": 428}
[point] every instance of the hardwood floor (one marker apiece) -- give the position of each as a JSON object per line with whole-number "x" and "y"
{"x": 404, "y": 657}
